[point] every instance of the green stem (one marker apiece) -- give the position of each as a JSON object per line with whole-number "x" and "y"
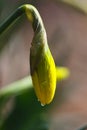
{"x": 31, "y": 13}
{"x": 11, "y": 19}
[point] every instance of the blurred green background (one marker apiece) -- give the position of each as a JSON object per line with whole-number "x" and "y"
{"x": 67, "y": 35}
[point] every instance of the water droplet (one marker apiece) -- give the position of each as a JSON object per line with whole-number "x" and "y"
{"x": 42, "y": 105}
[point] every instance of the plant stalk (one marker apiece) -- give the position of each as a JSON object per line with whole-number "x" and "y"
{"x": 32, "y": 15}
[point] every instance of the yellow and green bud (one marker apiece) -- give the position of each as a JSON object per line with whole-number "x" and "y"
{"x": 44, "y": 76}
{"x": 42, "y": 66}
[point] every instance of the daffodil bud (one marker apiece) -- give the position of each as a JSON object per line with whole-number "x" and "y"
{"x": 42, "y": 64}
{"x": 43, "y": 73}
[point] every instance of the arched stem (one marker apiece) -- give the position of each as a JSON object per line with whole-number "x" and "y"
{"x": 32, "y": 14}
{"x": 15, "y": 15}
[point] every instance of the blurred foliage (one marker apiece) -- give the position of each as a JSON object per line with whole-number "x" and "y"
{"x": 79, "y": 4}
{"x": 26, "y": 113}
